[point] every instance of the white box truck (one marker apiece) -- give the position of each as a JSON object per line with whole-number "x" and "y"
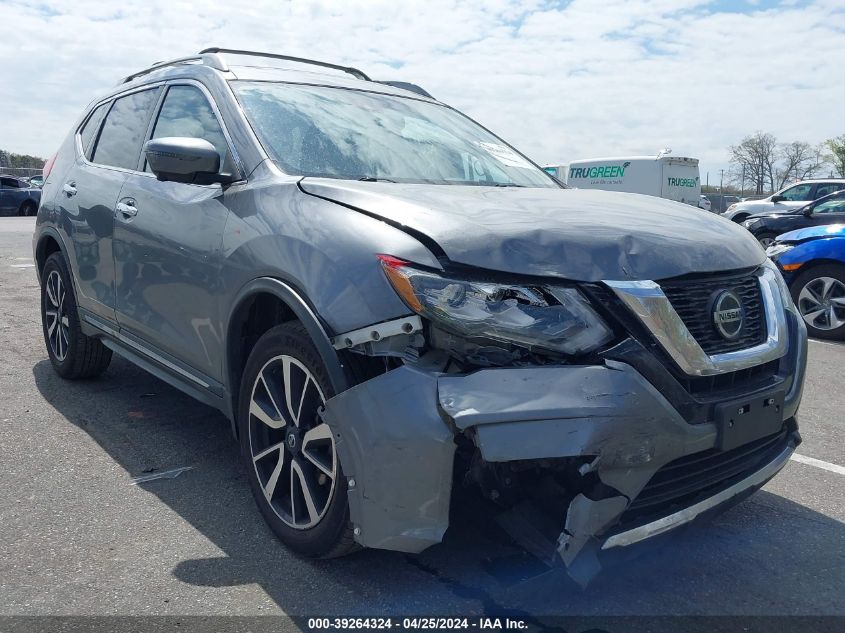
{"x": 672, "y": 177}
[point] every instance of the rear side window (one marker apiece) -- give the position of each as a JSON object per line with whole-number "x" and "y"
{"x": 186, "y": 112}
{"x": 89, "y": 131}
{"x": 827, "y": 188}
{"x": 124, "y": 129}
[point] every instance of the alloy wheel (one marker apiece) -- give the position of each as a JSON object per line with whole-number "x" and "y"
{"x": 822, "y": 303}
{"x": 765, "y": 242}
{"x": 292, "y": 449}
{"x": 58, "y": 326}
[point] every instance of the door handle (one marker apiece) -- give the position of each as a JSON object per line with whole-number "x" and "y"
{"x": 127, "y": 208}
{"x": 69, "y": 189}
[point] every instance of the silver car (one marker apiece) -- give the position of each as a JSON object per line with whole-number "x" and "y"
{"x": 388, "y": 300}
{"x": 791, "y": 197}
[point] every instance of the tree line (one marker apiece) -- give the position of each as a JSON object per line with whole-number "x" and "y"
{"x": 10, "y": 159}
{"x": 763, "y": 164}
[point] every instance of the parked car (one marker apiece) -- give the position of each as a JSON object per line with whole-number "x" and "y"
{"x": 812, "y": 261}
{"x": 719, "y": 202}
{"x": 384, "y": 297}
{"x": 791, "y": 197}
{"x": 767, "y": 226}
{"x": 36, "y": 181}
{"x": 18, "y": 197}
{"x": 704, "y": 203}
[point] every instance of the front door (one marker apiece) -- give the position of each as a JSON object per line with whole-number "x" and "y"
{"x": 168, "y": 239}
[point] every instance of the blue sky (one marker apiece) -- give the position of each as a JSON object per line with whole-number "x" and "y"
{"x": 559, "y": 80}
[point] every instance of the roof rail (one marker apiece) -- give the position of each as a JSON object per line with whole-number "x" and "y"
{"x": 301, "y": 60}
{"x": 208, "y": 59}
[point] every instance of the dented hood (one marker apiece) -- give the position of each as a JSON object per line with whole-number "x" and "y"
{"x": 582, "y": 235}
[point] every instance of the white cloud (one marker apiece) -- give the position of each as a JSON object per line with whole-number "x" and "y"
{"x": 559, "y": 82}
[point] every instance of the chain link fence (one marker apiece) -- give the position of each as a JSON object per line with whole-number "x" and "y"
{"x": 20, "y": 172}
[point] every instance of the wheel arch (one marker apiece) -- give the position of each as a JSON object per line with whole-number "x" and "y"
{"x": 47, "y": 244}
{"x": 816, "y": 263}
{"x": 260, "y": 305}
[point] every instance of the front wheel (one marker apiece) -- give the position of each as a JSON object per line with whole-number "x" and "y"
{"x": 819, "y": 294}
{"x": 288, "y": 451}
{"x": 766, "y": 239}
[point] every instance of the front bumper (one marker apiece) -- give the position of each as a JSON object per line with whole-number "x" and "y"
{"x": 396, "y": 440}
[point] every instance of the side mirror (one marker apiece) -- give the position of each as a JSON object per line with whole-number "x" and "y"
{"x": 808, "y": 212}
{"x": 183, "y": 159}
{"x": 777, "y": 198}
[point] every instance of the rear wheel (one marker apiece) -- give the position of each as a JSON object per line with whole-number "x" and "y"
{"x": 288, "y": 451}
{"x": 819, "y": 294}
{"x": 72, "y": 353}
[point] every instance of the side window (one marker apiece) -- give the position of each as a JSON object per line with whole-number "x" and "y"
{"x": 186, "y": 112}
{"x": 798, "y": 193}
{"x": 89, "y": 130}
{"x": 826, "y": 188}
{"x": 830, "y": 206}
{"x": 124, "y": 129}
{"x": 8, "y": 183}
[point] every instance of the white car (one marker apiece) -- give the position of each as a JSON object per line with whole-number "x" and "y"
{"x": 791, "y": 197}
{"x": 704, "y": 203}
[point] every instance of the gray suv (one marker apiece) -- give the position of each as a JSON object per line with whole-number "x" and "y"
{"x": 389, "y": 301}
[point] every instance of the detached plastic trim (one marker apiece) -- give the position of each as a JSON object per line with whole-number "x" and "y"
{"x": 635, "y": 535}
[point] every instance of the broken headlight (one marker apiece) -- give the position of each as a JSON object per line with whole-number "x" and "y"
{"x": 558, "y": 319}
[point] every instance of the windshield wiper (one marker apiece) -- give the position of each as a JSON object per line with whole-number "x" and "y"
{"x": 374, "y": 179}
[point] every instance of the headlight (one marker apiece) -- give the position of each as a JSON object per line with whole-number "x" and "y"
{"x": 750, "y": 223}
{"x": 731, "y": 208}
{"x": 776, "y": 250}
{"x": 785, "y": 295}
{"x": 554, "y": 318}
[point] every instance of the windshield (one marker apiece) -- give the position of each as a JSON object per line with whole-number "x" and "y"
{"x": 349, "y": 134}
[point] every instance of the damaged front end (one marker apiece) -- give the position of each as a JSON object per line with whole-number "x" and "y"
{"x": 575, "y": 426}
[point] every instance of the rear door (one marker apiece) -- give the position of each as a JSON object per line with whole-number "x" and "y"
{"x": 168, "y": 246}
{"x": 108, "y": 147}
{"x": 681, "y": 181}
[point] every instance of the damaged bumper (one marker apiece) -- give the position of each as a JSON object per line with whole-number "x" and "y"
{"x": 397, "y": 438}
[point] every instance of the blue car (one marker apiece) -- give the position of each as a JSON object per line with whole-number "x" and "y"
{"x": 812, "y": 261}
{"x": 18, "y": 197}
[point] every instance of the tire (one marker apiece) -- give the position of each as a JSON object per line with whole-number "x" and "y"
{"x": 808, "y": 293}
{"x": 766, "y": 238}
{"x": 280, "y": 469}
{"x": 72, "y": 354}
{"x": 28, "y": 208}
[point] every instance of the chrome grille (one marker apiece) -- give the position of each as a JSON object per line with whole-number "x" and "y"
{"x": 693, "y": 301}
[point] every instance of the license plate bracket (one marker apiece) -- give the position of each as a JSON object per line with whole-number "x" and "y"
{"x": 745, "y": 420}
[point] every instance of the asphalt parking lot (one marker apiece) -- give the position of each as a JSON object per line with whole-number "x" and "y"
{"x": 77, "y": 538}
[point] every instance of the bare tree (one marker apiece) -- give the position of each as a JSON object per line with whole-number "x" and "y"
{"x": 837, "y": 154}
{"x": 757, "y": 154}
{"x": 798, "y": 160}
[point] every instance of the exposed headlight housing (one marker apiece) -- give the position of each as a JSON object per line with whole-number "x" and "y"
{"x": 776, "y": 250}
{"x": 556, "y": 319}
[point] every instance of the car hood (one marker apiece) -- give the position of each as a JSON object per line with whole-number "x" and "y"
{"x": 775, "y": 214}
{"x": 582, "y": 235}
{"x": 813, "y": 233}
